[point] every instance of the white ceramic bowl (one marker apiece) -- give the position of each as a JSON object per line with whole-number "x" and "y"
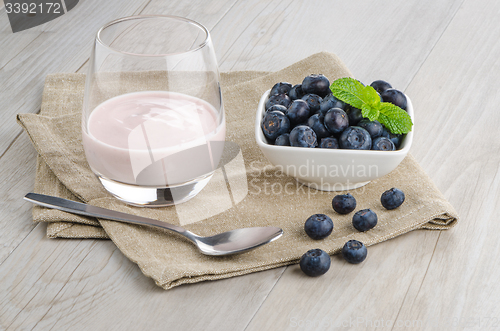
{"x": 331, "y": 169}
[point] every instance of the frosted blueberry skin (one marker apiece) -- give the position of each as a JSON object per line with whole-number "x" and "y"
{"x": 330, "y": 102}
{"x": 396, "y": 97}
{"x": 329, "y": 142}
{"x": 315, "y": 122}
{"x": 318, "y": 226}
{"x": 383, "y": 144}
{"x": 298, "y": 112}
{"x": 392, "y": 199}
{"x": 278, "y": 99}
{"x": 296, "y": 92}
{"x": 374, "y": 128}
{"x": 315, "y": 262}
{"x": 336, "y": 120}
{"x": 303, "y": 136}
{"x": 354, "y": 251}
{"x": 277, "y": 107}
{"x": 283, "y": 140}
{"x": 355, "y": 137}
{"x": 274, "y": 124}
{"x": 380, "y": 85}
{"x": 281, "y": 88}
{"x": 344, "y": 203}
{"x": 395, "y": 138}
{"x": 364, "y": 220}
{"x": 314, "y": 102}
{"x": 316, "y": 84}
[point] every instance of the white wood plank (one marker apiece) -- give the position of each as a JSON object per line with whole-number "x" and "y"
{"x": 17, "y": 169}
{"x": 456, "y": 93}
{"x": 377, "y": 40}
{"x": 89, "y": 285}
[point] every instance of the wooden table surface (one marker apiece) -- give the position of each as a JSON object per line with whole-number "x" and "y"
{"x": 444, "y": 54}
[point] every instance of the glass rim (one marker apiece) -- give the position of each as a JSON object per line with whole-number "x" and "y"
{"x": 140, "y": 17}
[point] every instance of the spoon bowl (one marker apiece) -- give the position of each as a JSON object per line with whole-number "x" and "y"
{"x": 226, "y": 243}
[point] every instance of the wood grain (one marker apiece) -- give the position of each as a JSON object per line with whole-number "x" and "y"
{"x": 443, "y": 53}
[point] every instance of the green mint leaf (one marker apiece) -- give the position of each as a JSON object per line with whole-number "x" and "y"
{"x": 371, "y": 113}
{"x": 394, "y": 118}
{"x": 349, "y": 90}
{"x": 370, "y": 96}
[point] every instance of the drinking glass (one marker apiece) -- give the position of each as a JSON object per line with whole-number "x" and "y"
{"x": 153, "y": 125}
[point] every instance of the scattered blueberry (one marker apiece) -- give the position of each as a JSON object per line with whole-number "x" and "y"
{"x": 283, "y": 140}
{"x": 354, "y": 251}
{"x": 318, "y": 226}
{"x": 344, "y": 203}
{"x": 316, "y": 84}
{"x": 314, "y": 101}
{"x": 354, "y": 115}
{"x": 329, "y": 142}
{"x": 336, "y": 120}
{"x": 296, "y": 92}
{"x": 277, "y": 107}
{"x": 281, "y": 88}
{"x": 316, "y": 123}
{"x": 298, "y": 112}
{"x": 392, "y": 199}
{"x": 383, "y": 144}
{"x": 395, "y": 97}
{"x": 315, "y": 262}
{"x": 364, "y": 220}
{"x": 380, "y": 85}
{"x": 395, "y": 138}
{"x": 355, "y": 137}
{"x": 374, "y": 128}
{"x": 303, "y": 136}
{"x": 279, "y": 99}
{"x": 275, "y": 123}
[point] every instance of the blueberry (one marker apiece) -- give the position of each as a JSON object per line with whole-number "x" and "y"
{"x": 354, "y": 115}
{"x": 316, "y": 123}
{"x": 303, "y": 136}
{"x": 315, "y": 262}
{"x": 354, "y": 251}
{"x": 396, "y": 97}
{"x": 330, "y": 102}
{"x": 355, "y": 137}
{"x": 316, "y": 84}
{"x": 344, "y": 203}
{"x": 383, "y": 144}
{"x": 380, "y": 85}
{"x": 279, "y": 99}
{"x": 394, "y": 137}
{"x": 283, "y": 140}
{"x": 281, "y": 88}
{"x": 336, "y": 120}
{"x": 298, "y": 111}
{"x": 374, "y": 128}
{"x": 313, "y": 100}
{"x": 364, "y": 220}
{"x": 329, "y": 142}
{"x": 274, "y": 124}
{"x": 318, "y": 226}
{"x": 277, "y": 107}
{"x": 296, "y": 92}
{"x": 392, "y": 198}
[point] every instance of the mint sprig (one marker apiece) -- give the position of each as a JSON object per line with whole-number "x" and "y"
{"x": 354, "y": 93}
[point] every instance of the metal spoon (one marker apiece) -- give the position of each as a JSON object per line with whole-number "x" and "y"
{"x": 230, "y": 242}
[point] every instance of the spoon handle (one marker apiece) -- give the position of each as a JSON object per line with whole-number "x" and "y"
{"x": 89, "y": 210}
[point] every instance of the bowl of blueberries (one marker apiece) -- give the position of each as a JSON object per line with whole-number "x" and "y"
{"x": 324, "y": 142}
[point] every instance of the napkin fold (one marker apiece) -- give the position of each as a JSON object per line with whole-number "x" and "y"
{"x": 265, "y": 197}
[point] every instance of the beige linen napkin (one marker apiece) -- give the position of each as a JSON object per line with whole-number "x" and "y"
{"x": 170, "y": 260}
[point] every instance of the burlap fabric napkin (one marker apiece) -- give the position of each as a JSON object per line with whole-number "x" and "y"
{"x": 170, "y": 260}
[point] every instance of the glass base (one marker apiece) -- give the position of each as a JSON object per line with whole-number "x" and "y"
{"x": 147, "y": 196}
